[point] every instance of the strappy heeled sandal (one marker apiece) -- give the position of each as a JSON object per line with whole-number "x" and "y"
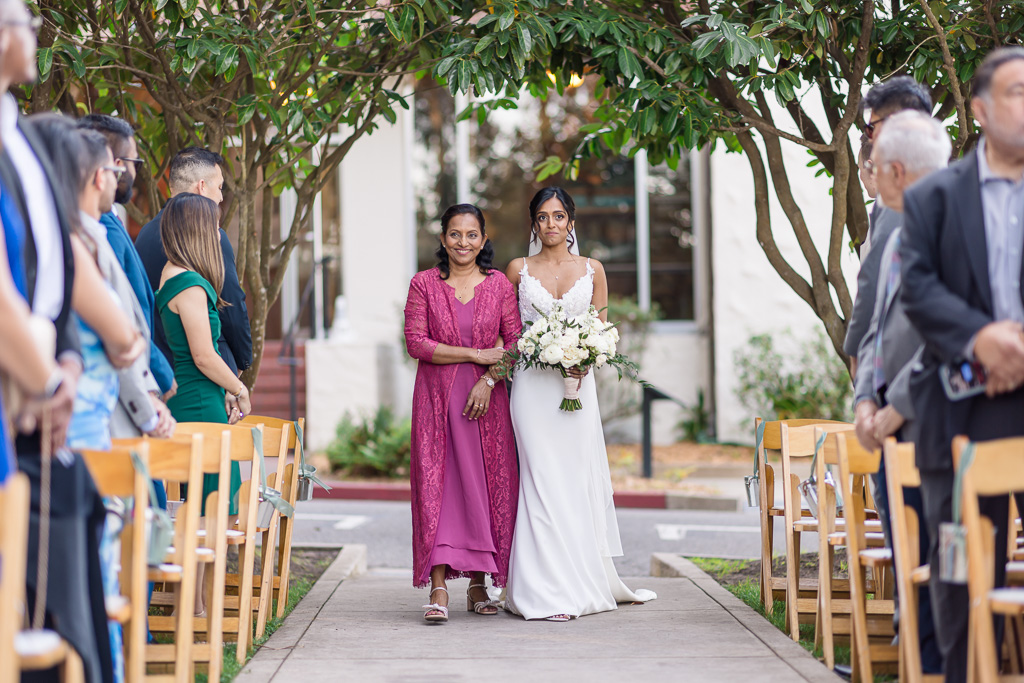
{"x": 558, "y": 617}
{"x": 484, "y": 606}
{"x": 440, "y": 612}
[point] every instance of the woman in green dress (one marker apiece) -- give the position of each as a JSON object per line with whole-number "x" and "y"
{"x": 188, "y": 299}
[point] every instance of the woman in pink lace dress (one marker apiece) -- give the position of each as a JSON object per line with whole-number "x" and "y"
{"x": 464, "y": 477}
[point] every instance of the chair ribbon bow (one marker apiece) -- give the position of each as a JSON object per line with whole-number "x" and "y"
{"x": 966, "y": 459}
{"x": 161, "y": 533}
{"x": 758, "y": 440}
{"x": 306, "y": 471}
{"x": 272, "y": 496}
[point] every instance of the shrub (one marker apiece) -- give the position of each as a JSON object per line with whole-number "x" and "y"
{"x": 811, "y": 383}
{"x": 376, "y": 446}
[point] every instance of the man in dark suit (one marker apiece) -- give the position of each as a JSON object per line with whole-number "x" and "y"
{"x": 962, "y": 248}
{"x": 882, "y": 101}
{"x": 912, "y": 145}
{"x": 75, "y": 605}
{"x": 200, "y": 171}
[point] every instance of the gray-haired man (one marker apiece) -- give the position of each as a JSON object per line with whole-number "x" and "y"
{"x": 912, "y": 145}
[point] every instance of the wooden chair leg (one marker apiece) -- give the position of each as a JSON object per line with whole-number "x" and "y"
{"x": 245, "y": 567}
{"x": 858, "y": 614}
{"x": 284, "y": 565}
{"x": 793, "y": 584}
{"x": 828, "y": 642}
{"x": 266, "y": 576}
{"x": 767, "y": 593}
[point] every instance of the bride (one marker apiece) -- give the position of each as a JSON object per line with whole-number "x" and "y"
{"x": 566, "y": 533}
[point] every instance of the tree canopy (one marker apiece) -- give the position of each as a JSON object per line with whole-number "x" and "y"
{"x": 674, "y": 76}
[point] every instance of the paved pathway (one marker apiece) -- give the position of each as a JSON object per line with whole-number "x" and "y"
{"x": 370, "y": 628}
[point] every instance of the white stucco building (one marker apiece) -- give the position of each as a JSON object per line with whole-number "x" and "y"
{"x": 682, "y": 240}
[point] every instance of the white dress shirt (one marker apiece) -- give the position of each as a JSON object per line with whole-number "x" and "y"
{"x": 48, "y": 296}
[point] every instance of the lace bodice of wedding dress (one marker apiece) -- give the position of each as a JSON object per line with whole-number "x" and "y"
{"x": 535, "y": 301}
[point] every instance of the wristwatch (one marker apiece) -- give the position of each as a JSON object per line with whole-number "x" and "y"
{"x": 490, "y": 382}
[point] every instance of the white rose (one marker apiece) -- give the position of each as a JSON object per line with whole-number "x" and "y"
{"x": 601, "y": 344}
{"x": 601, "y": 360}
{"x": 539, "y": 327}
{"x": 569, "y": 338}
{"x": 521, "y": 344}
{"x": 547, "y": 339}
{"x": 552, "y": 354}
{"x": 572, "y": 357}
{"x": 530, "y": 349}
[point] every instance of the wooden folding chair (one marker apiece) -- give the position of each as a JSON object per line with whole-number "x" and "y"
{"x": 24, "y": 650}
{"x": 799, "y": 442}
{"x": 115, "y": 475}
{"x": 834, "y": 593}
{"x": 179, "y": 462}
{"x": 772, "y": 587}
{"x": 275, "y": 447}
{"x": 901, "y": 472}
{"x": 855, "y": 464}
{"x": 212, "y": 551}
{"x": 243, "y": 537}
{"x": 995, "y": 471}
{"x": 288, "y": 478}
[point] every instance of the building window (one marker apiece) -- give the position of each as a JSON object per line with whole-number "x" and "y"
{"x": 503, "y": 152}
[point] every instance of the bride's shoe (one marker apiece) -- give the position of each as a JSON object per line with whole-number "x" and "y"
{"x": 486, "y": 607}
{"x": 436, "y": 613}
{"x": 558, "y": 617}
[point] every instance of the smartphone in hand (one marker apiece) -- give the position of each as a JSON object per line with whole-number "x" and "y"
{"x": 962, "y": 379}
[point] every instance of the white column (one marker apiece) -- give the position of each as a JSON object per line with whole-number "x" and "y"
{"x": 643, "y": 232}
{"x": 317, "y": 304}
{"x": 699, "y": 210}
{"x": 290, "y": 286}
{"x": 462, "y": 168}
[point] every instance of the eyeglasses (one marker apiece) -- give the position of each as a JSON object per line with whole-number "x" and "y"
{"x": 116, "y": 170}
{"x": 34, "y": 23}
{"x": 138, "y": 162}
{"x": 869, "y": 128}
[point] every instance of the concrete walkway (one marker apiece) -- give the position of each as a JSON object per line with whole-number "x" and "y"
{"x": 369, "y": 628}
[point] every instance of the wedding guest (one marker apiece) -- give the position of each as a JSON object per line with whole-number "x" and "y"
{"x": 110, "y": 341}
{"x": 188, "y": 300}
{"x": 26, "y": 370}
{"x": 881, "y": 101}
{"x": 121, "y": 138}
{"x": 200, "y": 171}
{"x": 912, "y": 145}
{"x": 961, "y": 246}
{"x": 74, "y": 605}
{"x": 464, "y": 477}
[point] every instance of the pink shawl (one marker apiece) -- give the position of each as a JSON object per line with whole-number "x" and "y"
{"x": 430, "y": 319}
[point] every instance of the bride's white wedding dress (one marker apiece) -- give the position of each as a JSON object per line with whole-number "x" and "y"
{"x": 566, "y": 533}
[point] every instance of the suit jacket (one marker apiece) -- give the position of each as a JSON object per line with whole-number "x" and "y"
{"x": 883, "y": 222}
{"x": 235, "y": 343}
{"x": 131, "y": 265}
{"x": 947, "y": 296}
{"x": 900, "y": 343}
{"x": 67, "y": 331}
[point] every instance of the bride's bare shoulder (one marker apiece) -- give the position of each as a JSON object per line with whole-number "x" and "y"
{"x": 512, "y": 272}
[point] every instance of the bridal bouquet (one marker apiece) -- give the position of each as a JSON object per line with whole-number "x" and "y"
{"x": 562, "y": 343}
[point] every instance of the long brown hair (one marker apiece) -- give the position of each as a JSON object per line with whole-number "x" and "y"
{"x": 191, "y": 238}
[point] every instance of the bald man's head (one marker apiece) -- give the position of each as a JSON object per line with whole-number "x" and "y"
{"x": 17, "y": 44}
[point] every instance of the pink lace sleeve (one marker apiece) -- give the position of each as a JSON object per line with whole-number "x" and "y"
{"x": 417, "y": 340}
{"x": 511, "y": 323}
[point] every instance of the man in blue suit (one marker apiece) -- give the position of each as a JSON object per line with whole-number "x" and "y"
{"x": 200, "y": 171}
{"x": 121, "y": 138}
